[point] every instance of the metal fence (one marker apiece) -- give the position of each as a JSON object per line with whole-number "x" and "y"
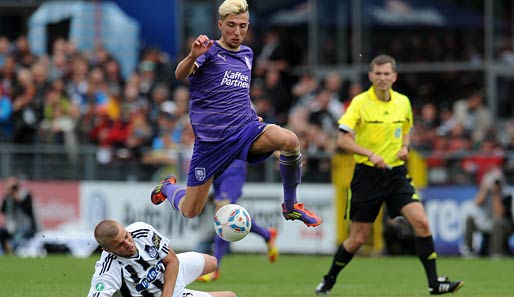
{"x": 53, "y": 162}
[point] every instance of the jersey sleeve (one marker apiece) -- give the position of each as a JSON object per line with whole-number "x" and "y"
{"x": 351, "y": 118}
{"x": 107, "y": 277}
{"x": 202, "y": 59}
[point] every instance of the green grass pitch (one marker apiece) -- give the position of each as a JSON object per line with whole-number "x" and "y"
{"x": 292, "y": 275}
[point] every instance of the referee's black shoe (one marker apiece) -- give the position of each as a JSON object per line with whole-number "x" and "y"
{"x": 444, "y": 286}
{"x": 325, "y": 285}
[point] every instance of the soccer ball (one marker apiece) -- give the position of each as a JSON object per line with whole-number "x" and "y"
{"x": 232, "y": 222}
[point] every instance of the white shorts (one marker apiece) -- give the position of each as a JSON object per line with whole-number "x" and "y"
{"x": 191, "y": 266}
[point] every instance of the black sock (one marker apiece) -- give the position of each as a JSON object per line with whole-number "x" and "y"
{"x": 341, "y": 260}
{"x": 426, "y": 253}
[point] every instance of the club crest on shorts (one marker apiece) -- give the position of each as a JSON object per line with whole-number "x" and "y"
{"x": 200, "y": 173}
{"x": 248, "y": 63}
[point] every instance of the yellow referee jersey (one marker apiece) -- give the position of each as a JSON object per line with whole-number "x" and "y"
{"x": 378, "y": 125}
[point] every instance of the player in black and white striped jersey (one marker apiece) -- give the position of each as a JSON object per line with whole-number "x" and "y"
{"x": 138, "y": 261}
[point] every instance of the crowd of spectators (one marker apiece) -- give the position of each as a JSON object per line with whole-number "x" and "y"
{"x": 72, "y": 98}
{"x": 462, "y": 141}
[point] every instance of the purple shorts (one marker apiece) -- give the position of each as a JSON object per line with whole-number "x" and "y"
{"x": 229, "y": 185}
{"x": 212, "y": 158}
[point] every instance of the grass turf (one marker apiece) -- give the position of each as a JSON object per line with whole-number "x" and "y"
{"x": 292, "y": 275}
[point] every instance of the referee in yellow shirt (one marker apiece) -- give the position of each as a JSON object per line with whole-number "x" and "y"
{"x": 375, "y": 128}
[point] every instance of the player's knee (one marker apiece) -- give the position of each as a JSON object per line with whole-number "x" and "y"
{"x": 213, "y": 262}
{"x": 191, "y": 212}
{"x": 352, "y": 244}
{"x": 292, "y": 143}
{"x": 359, "y": 241}
{"x": 421, "y": 226}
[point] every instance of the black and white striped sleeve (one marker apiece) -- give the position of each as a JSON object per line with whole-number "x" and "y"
{"x": 107, "y": 277}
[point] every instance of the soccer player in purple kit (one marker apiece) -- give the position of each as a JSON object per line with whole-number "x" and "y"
{"x": 228, "y": 188}
{"x": 226, "y": 127}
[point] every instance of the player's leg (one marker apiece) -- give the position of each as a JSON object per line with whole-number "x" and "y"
{"x": 208, "y": 160}
{"x": 192, "y": 265}
{"x": 189, "y": 201}
{"x": 195, "y": 199}
{"x": 276, "y": 138}
{"x": 227, "y": 188}
{"x": 210, "y": 264}
{"x": 270, "y": 237}
{"x": 359, "y": 233}
{"x": 415, "y": 214}
{"x": 364, "y": 203}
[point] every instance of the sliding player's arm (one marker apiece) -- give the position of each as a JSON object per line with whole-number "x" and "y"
{"x": 170, "y": 273}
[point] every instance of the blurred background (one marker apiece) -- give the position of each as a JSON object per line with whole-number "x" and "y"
{"x": 91, "y": 115}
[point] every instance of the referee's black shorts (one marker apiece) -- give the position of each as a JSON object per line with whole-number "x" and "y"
{"x": 371, "y": 186}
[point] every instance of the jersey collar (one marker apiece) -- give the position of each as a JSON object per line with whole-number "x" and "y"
{"x": 373, "y": 96}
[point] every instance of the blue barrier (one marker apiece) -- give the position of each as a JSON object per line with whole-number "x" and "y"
{"x": 446, "y": 208}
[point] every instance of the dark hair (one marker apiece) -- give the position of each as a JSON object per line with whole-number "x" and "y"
{"x": 383, "y": 59}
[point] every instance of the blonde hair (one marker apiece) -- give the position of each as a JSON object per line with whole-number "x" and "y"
{"x": 234, "y": 7}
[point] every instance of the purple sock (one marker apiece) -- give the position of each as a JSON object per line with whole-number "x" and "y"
{"x": 220, "y": 248}
{"x": 174, "y": 194}
{"x": 291, "y": 172}
{"x": 261, "y": 231}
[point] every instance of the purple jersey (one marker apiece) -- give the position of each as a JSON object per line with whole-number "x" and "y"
{"x": 220, "y": 93}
